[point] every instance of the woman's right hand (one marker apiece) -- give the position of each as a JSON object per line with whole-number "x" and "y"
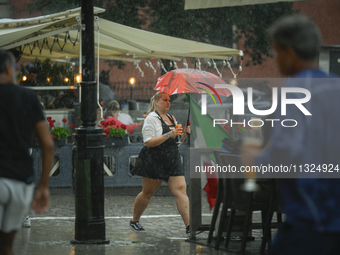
{"x": 173, "y": 133}
{"x": 155, "y": 141}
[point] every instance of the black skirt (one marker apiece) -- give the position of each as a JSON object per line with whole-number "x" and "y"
{"x": 158, "y": 163}
{"x": 162, "y": 161}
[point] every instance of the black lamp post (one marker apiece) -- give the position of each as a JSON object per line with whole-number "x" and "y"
{"x": 89, "y": 178}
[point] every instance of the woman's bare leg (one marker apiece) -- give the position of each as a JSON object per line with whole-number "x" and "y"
{"x": 150, "y": 186}
{"x": 178, "y": 188}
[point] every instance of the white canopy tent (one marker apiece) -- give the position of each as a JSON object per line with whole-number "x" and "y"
{"x": 205, "y": 4}
{"x": 58, "y": 36}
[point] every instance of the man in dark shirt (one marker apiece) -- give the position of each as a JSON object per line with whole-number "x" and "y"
{"x": 20, "y": 116}
{"x": 311, "y": 199}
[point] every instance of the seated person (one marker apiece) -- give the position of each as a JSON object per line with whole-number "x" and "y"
{"x": 65, "y": 100}
{"x": 124, "y": 117}
{"x": 69, "y": 99}
{"x": 31, "y": 75}
{"x": 112, "y": 111}
{"x": 58, "y": 102}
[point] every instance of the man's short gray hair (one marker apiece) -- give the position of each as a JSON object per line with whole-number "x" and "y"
{"x": 5, "y": 58}
{"x": 298, "y": 32}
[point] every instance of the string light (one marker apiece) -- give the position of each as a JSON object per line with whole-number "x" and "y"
{"x": 36, "y": 44}
{"x": 239, "y": 68}
{"x": 185, "y": 64}
{"x": 140, "y": 70}
{"x": 199, "y": 63}
{"x": 149, "y": 64}
{"x": 215, "y": 66}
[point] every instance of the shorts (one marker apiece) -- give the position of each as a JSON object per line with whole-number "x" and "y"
{"x": 15, "y": 198}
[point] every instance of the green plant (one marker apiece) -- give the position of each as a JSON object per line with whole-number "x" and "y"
{"x": 115, "y": 132}
{"x": 112, "y": 129}
{"x": 59, "y": 132}
{"x": 54, "y": 74}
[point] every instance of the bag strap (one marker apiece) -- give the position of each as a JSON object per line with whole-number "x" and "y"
{"x": 169, "y": 116}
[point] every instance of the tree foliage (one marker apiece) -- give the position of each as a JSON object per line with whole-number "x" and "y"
{"x": 125, "y": 12}
{"x": 213, "y": 26}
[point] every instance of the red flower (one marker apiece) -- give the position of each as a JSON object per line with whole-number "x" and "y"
{"x": 107, "y": 136}
{"x": 227, "y": 128}
{"x": 71, "y": 124}
{"x": 64, "y": 120}
{"x": 53, "y": 137}
{"x": 189, "y": 123}
{"x": 53, "y": 121}
{"x": 49, "y": 119}
{"x": 124, "y": 126}
{"x": 131, "y": 132}
{"x": 73, "y": 132}
{"x": 51, "y": 124}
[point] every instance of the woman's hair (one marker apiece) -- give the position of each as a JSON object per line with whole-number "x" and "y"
{"x": 155, "y": 97}
{"x": 114, "y": 106}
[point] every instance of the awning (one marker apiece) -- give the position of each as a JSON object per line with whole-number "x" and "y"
{"x": 205, "y": 4}
{"x": 58, "y": 36}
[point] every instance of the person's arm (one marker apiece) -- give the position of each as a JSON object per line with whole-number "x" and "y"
{"x": 186, "y": 132}
{"x": 151, "y": 125}
{"x": 41, "y": 196}
{"x": 133, "y": 126}
{"x": 286, "y": 143}
{"x": 155, "y": 141}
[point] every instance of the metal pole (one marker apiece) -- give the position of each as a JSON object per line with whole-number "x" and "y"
{"x": 89, "y": 178}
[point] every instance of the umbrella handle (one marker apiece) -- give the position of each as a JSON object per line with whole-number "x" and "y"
{"x": 188, "y": 122}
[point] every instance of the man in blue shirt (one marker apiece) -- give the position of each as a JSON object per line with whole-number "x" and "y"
{"x": 311, "y": 197}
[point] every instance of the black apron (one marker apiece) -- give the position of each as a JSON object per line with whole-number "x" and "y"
{"x": 162, "y": 161}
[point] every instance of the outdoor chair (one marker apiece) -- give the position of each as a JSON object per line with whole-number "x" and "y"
{"x": 275, "y": 206}
{"x": 233, "y": 198}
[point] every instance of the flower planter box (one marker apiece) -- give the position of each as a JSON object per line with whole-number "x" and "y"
{"x": 61, "y": 142}
{"x": 117, "y": 142}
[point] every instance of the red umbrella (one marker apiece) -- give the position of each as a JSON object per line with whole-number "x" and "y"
{"x": 191, "y": 81}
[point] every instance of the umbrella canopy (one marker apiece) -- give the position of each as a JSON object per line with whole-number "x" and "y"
{"x": 186, "y": 80}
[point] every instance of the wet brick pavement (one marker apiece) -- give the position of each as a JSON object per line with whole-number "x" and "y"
{"x": 52, "y": 231}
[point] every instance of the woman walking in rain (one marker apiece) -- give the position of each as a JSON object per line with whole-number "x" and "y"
{"x": 159, "y": 160}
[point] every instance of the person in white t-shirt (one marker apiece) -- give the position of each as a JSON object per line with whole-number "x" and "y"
{"x": 159, "y": 160}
